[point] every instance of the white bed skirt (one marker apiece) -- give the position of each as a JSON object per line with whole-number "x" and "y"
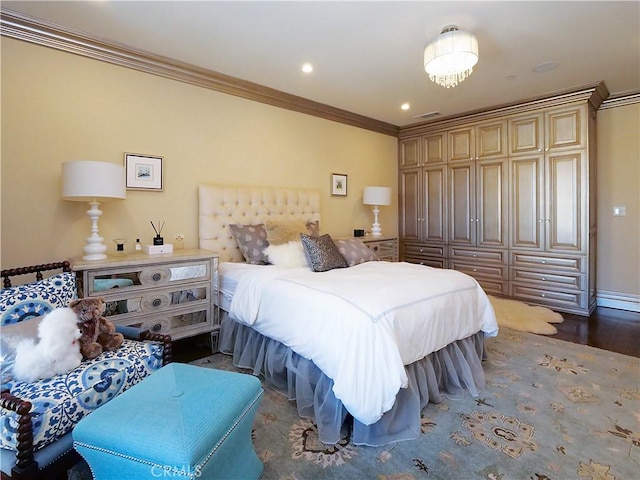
{"x": 450, "y": 372}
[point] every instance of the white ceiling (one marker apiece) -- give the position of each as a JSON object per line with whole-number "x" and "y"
{"x": 368, "y": 55}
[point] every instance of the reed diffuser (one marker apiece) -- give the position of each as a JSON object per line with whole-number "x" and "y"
{"x": 158, "y": 240}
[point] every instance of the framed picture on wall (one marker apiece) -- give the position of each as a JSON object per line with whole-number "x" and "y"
{"x": 338, "y": 184}
{"x": 144, "y": 172}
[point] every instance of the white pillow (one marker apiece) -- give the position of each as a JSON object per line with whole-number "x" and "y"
{"x": 287, "y": 255}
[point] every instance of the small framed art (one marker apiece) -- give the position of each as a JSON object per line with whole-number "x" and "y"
{"x": 338, "y": 185}
{"x": 144, "y": 172}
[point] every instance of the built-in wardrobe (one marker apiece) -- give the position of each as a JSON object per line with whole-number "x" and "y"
{"x": 508, "y": 196}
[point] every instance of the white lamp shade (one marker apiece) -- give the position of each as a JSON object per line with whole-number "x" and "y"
{"x": 86, "y": 181}
{"x": 377, "y": 196}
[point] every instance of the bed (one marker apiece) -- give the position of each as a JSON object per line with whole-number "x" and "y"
{"x": 361, "y": 350}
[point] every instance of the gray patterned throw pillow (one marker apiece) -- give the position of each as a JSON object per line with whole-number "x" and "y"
{"x": 354, "y": 251}
{"x": 251, "y": 240}
{"x": 322, "y": 253}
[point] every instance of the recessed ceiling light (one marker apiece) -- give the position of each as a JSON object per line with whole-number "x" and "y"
{"x": 405, "y": 106}
{"x": 307, "y": 68}
{"x": 545, "y": 67}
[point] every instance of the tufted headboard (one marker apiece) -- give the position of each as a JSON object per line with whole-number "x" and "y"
{"x": 221, "y": 205}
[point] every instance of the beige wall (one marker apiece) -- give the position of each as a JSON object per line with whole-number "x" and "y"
{"x": 619, "y": 185}
{"x": 58, "y": 107}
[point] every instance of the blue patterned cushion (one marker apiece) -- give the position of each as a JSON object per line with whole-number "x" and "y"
{"x": 61, "y": 401}
{"x": 37, "y": 298}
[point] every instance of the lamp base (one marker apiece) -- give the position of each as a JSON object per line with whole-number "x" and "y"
{"x": 93, "y": 257}
{"x": 376, "y": 230}
{"x": 94, "y": 249}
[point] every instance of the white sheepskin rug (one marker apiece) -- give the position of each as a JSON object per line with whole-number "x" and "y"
{"x": 525, "y": 318}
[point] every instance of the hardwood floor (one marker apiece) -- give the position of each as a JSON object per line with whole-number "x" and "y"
{"x": 606, "y": 328}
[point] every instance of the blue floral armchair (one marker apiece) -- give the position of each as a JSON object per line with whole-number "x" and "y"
{"x": 38, "y": 417}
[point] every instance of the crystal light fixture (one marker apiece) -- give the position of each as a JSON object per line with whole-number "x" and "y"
{"x": 449, "y": 58}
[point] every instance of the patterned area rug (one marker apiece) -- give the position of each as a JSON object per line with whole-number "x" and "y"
{"x": 551, "y": 410}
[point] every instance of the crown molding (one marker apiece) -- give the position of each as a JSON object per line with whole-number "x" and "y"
{"x": 621, "y": 99}
{"x": 39, "y": 32}
{"x": 594, "y": 94}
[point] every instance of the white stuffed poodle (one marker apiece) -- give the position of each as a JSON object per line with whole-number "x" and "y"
{"x": 57, "y": 350}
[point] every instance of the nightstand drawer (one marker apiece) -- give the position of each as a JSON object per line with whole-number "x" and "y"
{"x": 184, "y": 322}
{"x": 102, "y": 282}
{"x": 385, "y": 249}
{"x": 122, "y": 303}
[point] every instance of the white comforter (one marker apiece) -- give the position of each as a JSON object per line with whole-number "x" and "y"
{"x": 361, "y": 325}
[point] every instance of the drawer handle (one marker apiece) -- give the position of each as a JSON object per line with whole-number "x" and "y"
{"x": 421, "y": 250}
{"x": 543, "y": 279}
{"x": 543, "y": 295}
{"x": 157, "y": 327}
{"x": 474, "y": 255}
{"x": 156, "y": 302}
{"x": 543, "y": 261}
{"x": 375, "y": 249}
{"x": 475, "y": 269}
{"x": 156, "y": 277}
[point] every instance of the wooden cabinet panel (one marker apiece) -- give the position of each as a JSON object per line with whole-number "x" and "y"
{"x": 491, "y": 140}
{"x": 475, "y": 255}
{"x": 566, "y": 127}
{"x": 462, "y": 206}
{"x": 461, "y": 145}
{"x": 545, "y": 262}
{"x": 491, "y": 203}
{"x": 419, "y": 249}
{"x": 409, "y": 152}
{"x": 410, "y": 214}
{"x": 565, "y": 202}
{"x": 571, "y": 301}
{"x": 547, "y": 279}
{"x": 526, "y": 219}
{"x": 430, "y": 255}
{"x": 434, "y": 225}
{"x": 526, "y": 135}
{"x": 435, "y": 148}
{"x": 480, "y": 270}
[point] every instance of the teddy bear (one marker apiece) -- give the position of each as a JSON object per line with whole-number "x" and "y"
{"x": 98, "y": 333}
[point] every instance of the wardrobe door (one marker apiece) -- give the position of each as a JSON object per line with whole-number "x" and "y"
{"x": 491, "y": 203}
{"x": 566, "y": 202}
{"x": 462, "y": 208}
{"x": 410, "y": 203}
{"x": 527, "y": 209}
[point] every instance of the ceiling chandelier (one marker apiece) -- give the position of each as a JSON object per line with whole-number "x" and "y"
{"x": 449, "y": 58}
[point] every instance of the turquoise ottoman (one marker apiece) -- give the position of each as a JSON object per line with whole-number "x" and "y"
{"x": 182, "y": 421}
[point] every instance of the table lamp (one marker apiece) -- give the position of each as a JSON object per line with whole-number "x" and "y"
{"x": 376, "y": 196}
{"x": 93, "y": 182}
